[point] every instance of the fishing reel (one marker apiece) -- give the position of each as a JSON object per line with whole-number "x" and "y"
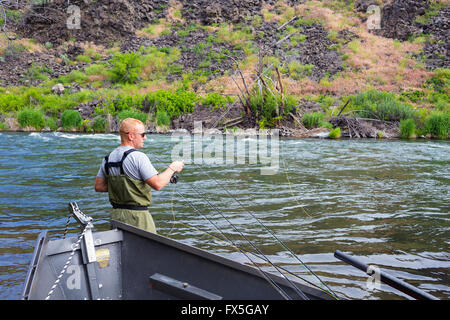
{"x": 174, "y": 178}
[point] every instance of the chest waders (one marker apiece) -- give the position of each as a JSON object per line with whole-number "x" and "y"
{"x": 130, "y": 198}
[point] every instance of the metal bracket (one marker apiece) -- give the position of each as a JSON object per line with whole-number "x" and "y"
{"x": 87, "y": 248}
{"x": 88, "y": 239}
{"x": 78, "y": 215}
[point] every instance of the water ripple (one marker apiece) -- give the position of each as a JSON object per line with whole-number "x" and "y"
{"x": 384, "y": 202}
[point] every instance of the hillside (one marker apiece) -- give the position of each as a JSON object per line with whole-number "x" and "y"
{"x": 285, "y": 64}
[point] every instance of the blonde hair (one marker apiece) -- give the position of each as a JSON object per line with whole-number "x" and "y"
{"x": 129, "y": 125}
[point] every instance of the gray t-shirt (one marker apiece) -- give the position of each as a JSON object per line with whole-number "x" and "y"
{"x": 136, "y": 165}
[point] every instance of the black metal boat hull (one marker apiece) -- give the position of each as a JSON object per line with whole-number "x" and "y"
{"x": 131, "y": 263}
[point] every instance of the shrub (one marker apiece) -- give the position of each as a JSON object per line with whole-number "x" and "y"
{"x": 268, "y": 106}
{"x": 173, "y": 103}
{"x": 99, "y": 124}
{"x": 31, "y": 117}
{"x": 407, "y": 128}
{"x": 123, "y": 102}
{"x": 136, "y": 114}
{"x": 215, "y": 100}
{"x": 71, "y": 119}
{"x": 312, "y": 120}
{"x": 162, "y": 118}
{"x": 381, "y": 105}
{"x": 125, "y": 67}
{"x": 335, "y": 133}
{"x": 264, "y": 105}
{"x": 13, "y": 50}
{"x": 51, "y": 122}
{"x": 12, "y": 102}
{"x": 438, "y": 124}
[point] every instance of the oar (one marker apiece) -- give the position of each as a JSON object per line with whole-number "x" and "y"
{"x": 386, "y": 278}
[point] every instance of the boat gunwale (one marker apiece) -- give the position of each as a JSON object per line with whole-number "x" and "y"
{"x": 219, "y": 259}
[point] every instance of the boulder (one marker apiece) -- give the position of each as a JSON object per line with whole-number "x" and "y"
{"x": 58, "y": 89}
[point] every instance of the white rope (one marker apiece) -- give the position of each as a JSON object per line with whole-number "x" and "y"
{"x": 74, "y": 248}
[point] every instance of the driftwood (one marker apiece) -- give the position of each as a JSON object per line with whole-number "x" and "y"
{"x": 231, "y": 122}
{"x": 246, "y": 94}
{"x": 223, "y": 115}
{"x": 355, "y": 127}
{"x": 342, "y": 109}
{"x": 297, "y": 120}
{"x": 286, "y": 23}
{"x": 281, "y": 89}
{"x": 285, "y": 38}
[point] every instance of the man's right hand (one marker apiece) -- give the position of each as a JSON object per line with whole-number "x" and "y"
{"x": 177, "y": 166}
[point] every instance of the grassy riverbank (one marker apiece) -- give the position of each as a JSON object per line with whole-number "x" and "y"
{"x": 290, "y": 64}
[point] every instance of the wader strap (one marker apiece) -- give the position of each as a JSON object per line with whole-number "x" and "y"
{"x": 117, "y": 164}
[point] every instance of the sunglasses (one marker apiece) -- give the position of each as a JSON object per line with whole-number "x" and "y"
{"x": 142, "y": 134}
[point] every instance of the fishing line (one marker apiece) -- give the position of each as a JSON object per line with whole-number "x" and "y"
{"x": 304, "y": 210}
{"x": 240, "y": 249}
{"x": 299, "y": 292}
{"x": 265, "y": 227}
{"x": 290, "y": 184}
{"x": 272, "y": 282}
{"x": 263, "y": 273}
{"x": 173, "y": 213}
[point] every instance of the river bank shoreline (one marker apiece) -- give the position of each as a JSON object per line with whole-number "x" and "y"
{"x": 214, "y": 123}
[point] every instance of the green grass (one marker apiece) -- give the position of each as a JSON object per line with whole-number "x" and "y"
{"x": 31, "y": 117}
{"x": 381, "y": 105}
{"x": 312, "y": 120}
{"x": 335, "y": 133}
{"x": 71, "y": 119}
{"x": 407, "y": 129}
{"x": 437, "y": 124}
{"x": 136, "y": 114}
{"x": 162, "y": 118}
{"x": 298, "y": 71}
{"x": 433, "y": 10}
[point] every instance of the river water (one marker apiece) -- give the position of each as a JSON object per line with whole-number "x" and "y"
{"x": 383, "y": 202}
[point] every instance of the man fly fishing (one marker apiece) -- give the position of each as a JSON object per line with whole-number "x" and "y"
{"x": 128, "y": 176}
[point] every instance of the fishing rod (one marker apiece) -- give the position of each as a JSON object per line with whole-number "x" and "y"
{"x": 225, "y": 239}
{"x": 299, "y": 292}
{"x": 263, "y": 273}
{"x": 267, "y": 229}
{"x": 264, "y": 226}
{"x": 174, "y": 179}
